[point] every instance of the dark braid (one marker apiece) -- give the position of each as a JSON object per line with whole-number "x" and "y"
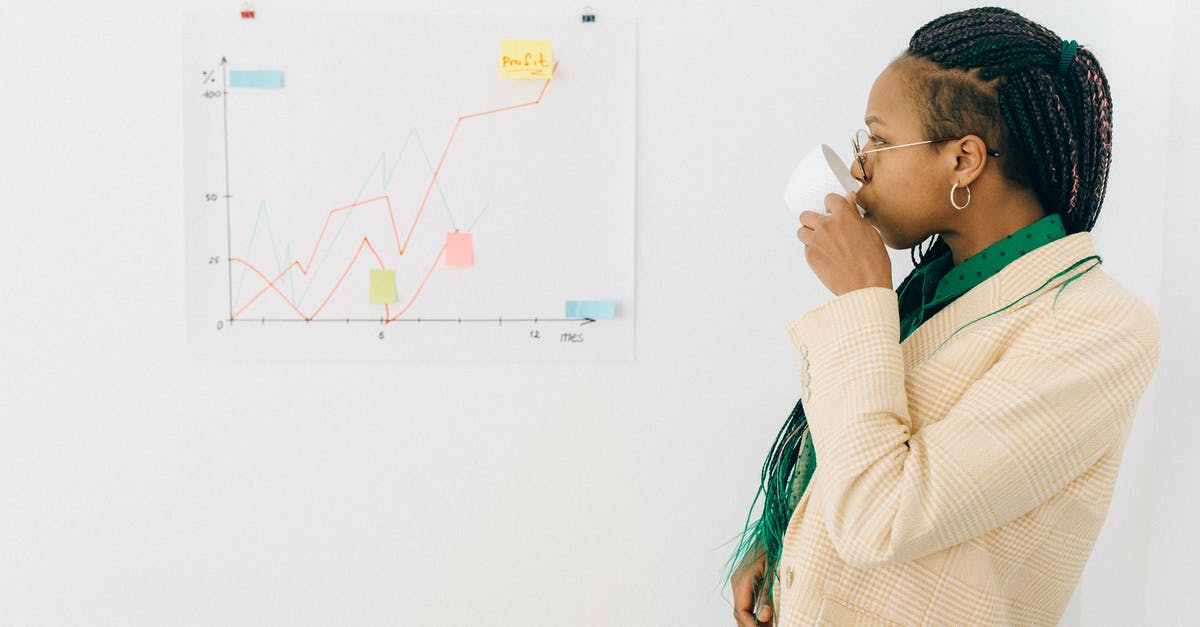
{"x": 992, "y": 72}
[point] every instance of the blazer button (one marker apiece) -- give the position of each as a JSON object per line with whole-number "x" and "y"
{"x": 791, "y": 574}
{"x": 802, "y": 349}
{"x": 801, "y": 363}
{"x": 805, "y": 379}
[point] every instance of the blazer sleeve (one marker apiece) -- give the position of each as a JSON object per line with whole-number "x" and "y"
{"x": 1035, "y": 421}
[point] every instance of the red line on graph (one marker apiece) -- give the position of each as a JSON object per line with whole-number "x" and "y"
{"x": 446, "y": 150}
{"x": 366, "y": 243}
{"x": 271, "y": 284}
{"x": 304, "y": 269}
{"x": 420, "y": 287}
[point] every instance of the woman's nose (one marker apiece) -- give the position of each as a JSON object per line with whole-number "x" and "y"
{"x": 856, "y": 170}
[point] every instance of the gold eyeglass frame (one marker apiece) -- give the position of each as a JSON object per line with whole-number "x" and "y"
{"x": 859, "y": 153}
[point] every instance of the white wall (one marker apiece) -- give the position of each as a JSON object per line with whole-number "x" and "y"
{"x": 142, "y": 487}
{"x": 1173, "y": 479}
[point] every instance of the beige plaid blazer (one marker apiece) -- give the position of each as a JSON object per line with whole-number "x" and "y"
{"x": 964, "y": 485}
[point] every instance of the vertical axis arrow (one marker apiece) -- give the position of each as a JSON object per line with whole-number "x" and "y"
{"x": 228, "y": 220}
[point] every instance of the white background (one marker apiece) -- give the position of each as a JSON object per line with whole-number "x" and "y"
{"x": 139, "y": 486}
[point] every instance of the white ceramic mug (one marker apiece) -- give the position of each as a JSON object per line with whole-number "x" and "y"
{"x": 820, "y": 172}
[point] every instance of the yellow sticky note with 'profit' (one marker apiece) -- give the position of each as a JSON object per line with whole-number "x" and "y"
{"x": 526, "y": 58}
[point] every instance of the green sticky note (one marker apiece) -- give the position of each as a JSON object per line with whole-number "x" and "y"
{"x": 383, "y": 286}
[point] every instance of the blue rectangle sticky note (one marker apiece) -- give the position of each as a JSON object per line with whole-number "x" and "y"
{"x": 256, "y": 78}
{"x": 594, "y": 309}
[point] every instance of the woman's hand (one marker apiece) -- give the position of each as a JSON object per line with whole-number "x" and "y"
{"x": 843, "y": 249}
{"x": 746, "y": 583}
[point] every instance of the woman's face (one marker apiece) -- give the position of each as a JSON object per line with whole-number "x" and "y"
{"x": 907, "y": 197}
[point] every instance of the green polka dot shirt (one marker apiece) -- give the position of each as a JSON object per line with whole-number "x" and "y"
{"x": 939, "y": 282}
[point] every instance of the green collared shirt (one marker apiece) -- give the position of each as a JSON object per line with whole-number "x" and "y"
{"x": 939, "y": 282}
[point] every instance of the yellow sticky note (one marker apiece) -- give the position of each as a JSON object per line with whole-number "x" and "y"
{"x": 383, "y": 286}
{"x": 526, "y": 58}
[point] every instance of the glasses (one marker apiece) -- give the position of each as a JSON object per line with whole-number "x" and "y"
{"x": 862, "y": 137}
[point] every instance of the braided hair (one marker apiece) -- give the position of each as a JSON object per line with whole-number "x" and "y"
{"x": 1043, "y": 103}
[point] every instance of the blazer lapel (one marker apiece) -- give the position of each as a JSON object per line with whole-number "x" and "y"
{"x": 1015, "y": 280}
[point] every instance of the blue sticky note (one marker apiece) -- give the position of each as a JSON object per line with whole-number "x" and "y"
{"x": 256, "y": 78}
{"x": 594, "y": 309}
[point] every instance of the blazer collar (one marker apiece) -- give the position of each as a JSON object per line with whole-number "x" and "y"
{"x": 1017, "y": 279}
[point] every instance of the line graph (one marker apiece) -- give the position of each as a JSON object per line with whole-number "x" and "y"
{"x": 366, "y": 242}
{"x": 515, "y": 149}
{"x": 380, "y": 169}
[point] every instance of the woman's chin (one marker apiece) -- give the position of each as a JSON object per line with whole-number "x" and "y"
{"x": 887, "y": 238}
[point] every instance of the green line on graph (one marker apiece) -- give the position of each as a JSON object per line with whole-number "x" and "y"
{"x": 386, "y": 176}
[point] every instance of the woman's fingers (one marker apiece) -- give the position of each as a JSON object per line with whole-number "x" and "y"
{"x": 743, "y": 597}
{"x": 746, "y": 581}
{"x": 764, "y": 614}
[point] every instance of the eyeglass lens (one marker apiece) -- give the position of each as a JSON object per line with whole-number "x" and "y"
{"x": 861, "y": 141}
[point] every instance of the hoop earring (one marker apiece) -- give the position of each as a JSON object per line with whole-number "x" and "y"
{"x": 954, "y": 204}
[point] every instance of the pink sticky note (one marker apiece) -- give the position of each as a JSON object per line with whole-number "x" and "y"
{"x": 459, "y": 253}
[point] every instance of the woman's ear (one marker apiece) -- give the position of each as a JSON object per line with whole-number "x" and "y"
{"x": 970, "y": 157}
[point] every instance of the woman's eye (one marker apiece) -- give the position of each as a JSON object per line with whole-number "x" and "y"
{"x": 877, "y": 141}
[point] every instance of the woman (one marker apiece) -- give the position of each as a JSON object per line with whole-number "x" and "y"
{"x": 954, "y": 450}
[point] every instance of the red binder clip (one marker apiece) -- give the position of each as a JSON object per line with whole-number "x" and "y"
{"x": 247, "y": 11}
